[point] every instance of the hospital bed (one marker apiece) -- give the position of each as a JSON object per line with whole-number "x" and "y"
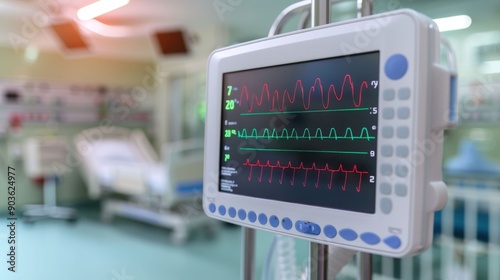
{"x": 121, "y": 168}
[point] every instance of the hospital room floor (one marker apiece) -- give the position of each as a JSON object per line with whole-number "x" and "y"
{"x": 123, "y": 250}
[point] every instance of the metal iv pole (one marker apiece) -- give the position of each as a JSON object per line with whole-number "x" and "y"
{"x": 365, "y": 8}
{"x": 248, "y": 236}
{"x": 318, "y": 253}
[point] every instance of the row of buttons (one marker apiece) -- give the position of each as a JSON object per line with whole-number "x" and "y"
{"x": 400, "y": 189}
{"x": 402, "y": 132}
{"x": 402, "y": 113}
{"x": 390, "y": 94}
{"x": 400, "y": 170}
{"x": 305, "y": 226}
{"x": 395, "y": 68}
{"x": 401, "y": 151}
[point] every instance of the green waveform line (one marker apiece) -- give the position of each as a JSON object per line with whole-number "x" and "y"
{"x": 303, "y": 112}
{"x": 305, "y": 151}
{"x": 305, "y": 135}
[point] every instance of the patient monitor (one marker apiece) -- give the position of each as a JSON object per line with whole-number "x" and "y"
{"x": 332, "y": 134}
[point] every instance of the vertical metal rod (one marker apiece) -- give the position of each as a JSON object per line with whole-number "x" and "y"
{"x": 318, "y": 253}
{"x": 248, "y": 236}
{"x": 320, "y": 12}
{"x": 365, "y": 7}
{"x": 318, "y": 261}
{"x": 365, "y": 266}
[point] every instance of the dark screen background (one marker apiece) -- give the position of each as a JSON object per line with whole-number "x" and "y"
{"x": 303, "y": 133}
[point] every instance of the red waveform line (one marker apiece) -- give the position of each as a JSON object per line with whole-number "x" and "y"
{"x": 275, "y": 98}
{"x": 307, "y": 169}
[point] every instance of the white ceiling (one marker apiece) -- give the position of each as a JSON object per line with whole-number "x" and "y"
{"x": 242, "y": 19}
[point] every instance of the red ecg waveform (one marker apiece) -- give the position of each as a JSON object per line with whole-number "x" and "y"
{"x": 307, "y": 169}
{"x": 279, "y": 98}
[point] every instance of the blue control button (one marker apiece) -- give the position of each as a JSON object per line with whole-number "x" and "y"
{"x": 402, "y": 170}
{"x": 222, "y": 210}
{"x": 386, "y": 188}
{"x": 231, "y": 212}
{"x": 242, "y": 214}
{"x": 402, "y": 151}
{"x": 330, "y": 231}
{"x": 388, "y": 113}
{"x": 396, "y": 67}
{"x": 403, "y": 113}
{"x": 403, "y": 132}
{"x": 386, "y": 205}
{"x": 307, "y": 227}
{"x": 252, "y": 217}
{"x": 301, "y": 226}
{"x": 404, "y": 93}
{"x": 370, "y": 238}
{"x": 387, "y": 150}
{"x": 262, "y": 219}
{"x": 389, "y": 94}
{"x": 286, "y": 223}
{"x": 348, "y": 234}
{"x": 393, "y": 241}
{"x": 401, "y": 190}
{"x": 212, "y": 208}
{"x": 274, "y": 221}
{"x": 387, "y": 131}
{"x": 386, "y": 169}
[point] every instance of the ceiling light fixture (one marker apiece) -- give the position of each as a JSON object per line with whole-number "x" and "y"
{"x": 453, "y": 23}
{"x": 99, "y": 8}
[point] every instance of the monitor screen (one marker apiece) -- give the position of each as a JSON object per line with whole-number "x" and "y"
{"x": 303, "y": 132}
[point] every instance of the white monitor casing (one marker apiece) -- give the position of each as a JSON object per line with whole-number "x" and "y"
{"x": 408, "y": 186}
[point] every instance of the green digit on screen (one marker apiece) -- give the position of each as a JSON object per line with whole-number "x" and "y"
{"x": 229, "y": 104}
